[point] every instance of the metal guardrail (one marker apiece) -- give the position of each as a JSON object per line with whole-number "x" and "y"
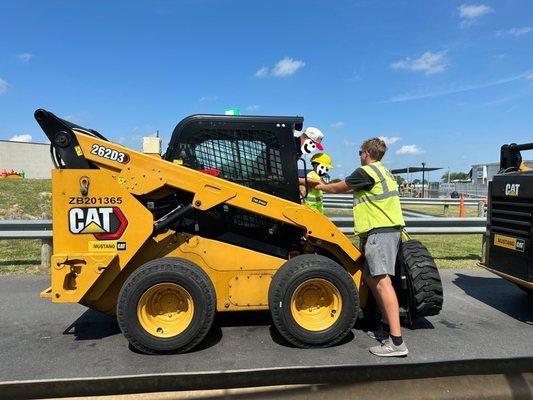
{"x": 345, "y": 201}
{"x": 348, "y": 199}
{"x": 26, "y": 229}
{"x": 32, "y": 229}
{"x": 42, "y": 229}
{"x": 430, "y": 225}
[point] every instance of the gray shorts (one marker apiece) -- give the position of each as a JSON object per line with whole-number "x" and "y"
{"x": 380, "y": 251}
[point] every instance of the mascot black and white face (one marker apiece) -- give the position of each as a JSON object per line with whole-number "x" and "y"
{"x": 321, "y": 169}
{"x": 308, "y": 147}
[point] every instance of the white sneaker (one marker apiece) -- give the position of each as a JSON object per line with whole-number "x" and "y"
{"x": 389, "y": 349}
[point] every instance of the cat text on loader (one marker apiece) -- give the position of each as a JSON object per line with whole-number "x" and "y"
{"x": 215, "y": 225}
{"x": 508, "y": 247}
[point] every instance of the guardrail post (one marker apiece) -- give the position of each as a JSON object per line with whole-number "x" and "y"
{"x": 481, "y": 209}
{"x": 46, "y": 252}
{"x": 446, "y": 209}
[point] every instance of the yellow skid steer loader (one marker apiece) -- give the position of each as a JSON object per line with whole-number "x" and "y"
{"x": 215, "y": 225}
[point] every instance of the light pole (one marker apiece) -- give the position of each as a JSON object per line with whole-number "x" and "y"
{"x": 423, "y": 177}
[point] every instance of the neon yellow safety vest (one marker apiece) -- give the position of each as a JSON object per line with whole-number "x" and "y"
{"x": 314, "y": 197}
{"x": 378, "y": 207}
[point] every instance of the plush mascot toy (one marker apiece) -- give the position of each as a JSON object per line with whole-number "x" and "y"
{"x": 321, "y": 163}
{"x": 310, "y": 140}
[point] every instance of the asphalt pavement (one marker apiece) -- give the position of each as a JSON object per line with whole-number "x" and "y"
{"x": 483, "y": 317}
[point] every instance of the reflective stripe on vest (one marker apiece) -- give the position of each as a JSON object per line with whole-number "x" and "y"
{"x": 314, "y": 195}
{"x": 378, "y": 207}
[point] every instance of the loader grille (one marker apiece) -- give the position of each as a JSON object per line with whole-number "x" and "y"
{"x": 511, "y": 217}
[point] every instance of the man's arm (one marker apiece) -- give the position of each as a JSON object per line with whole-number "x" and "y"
{"x": 337, "y": 187}
{"x": 310, "y": 182}
{"x": 358, "y": 180}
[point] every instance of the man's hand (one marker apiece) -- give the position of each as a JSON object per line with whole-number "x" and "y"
{"x": 310, "y": 182}
{"x": 338, "y": 187}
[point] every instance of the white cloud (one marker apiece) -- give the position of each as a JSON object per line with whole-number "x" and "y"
{"x": 253, "y": 107}
{"x": 338, "y": 125}
{"x": 338, "y": 166}
{"x": 470, "y": 13}
{"x": 207, "y": 98}
{"x": 429, "y": 63}
{"x": 389, "y": 140}
{"x": 460, "y": 89}
{"x": 261, "y": 72}
{"x": 24, "y": 57}
{"x": 3, "y": 86}
{"x": 347, "y": 143}
{"x": 516, "y": 32}
{"x": 411, "y": 149}
{"x": 287, "y": 67}
{"x": 71, "y": 118}
{"x": 21, "y": 138}
{"x": 529, "y": 76}
{"x": 283, "y": 68}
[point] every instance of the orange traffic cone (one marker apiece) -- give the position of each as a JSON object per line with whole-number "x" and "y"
{"x": 462, "y": 206}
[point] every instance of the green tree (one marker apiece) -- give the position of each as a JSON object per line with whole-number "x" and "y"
{"x": 399, "y": 179}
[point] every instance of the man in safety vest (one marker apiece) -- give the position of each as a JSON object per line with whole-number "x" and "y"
{"x": 321, "y": 163}
{"x": 378, "y": 221}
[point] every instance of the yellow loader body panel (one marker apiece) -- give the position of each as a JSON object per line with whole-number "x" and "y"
{"x": 93, "y": 256}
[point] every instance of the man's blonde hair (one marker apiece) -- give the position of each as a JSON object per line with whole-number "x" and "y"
{"x": 375, "y": 147}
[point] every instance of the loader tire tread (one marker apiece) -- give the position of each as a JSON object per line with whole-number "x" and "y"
{"x": 424, "y": 278}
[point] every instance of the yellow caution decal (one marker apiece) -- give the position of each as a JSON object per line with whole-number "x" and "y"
{"x": 509, "y": 242}
{"x": 96, "y": 246}
{"x": 105, "y": 246}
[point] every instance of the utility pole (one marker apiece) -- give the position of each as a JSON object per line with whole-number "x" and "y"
{"x": 423, "y": 177}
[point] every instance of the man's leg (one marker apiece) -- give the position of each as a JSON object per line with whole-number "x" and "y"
{"x": 380, "y": 252}
{"x": 385, "y": 295}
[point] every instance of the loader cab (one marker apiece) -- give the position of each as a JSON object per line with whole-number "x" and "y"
{"x": 254, "y": 151}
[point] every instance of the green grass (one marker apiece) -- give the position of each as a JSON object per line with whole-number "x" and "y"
{"x": 450, "y": 251}
{"x": 25, "y": 198}
{"x": 453, "y": 251}
{"x": 19, "y": 257}
{"x": 453, "y": 211}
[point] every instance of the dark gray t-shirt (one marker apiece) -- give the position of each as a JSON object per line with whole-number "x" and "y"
{"x": 359, "y": 180}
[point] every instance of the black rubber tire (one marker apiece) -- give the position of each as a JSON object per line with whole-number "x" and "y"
{"x": 424, "y": 286}
{"x": 173, "y": 270}
{"x": 289, "y": 277}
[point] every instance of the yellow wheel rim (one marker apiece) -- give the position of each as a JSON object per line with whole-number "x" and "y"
{"x": 165, "y": 310}
{"x": 316, "y": 305}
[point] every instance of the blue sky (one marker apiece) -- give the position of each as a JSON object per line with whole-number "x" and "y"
{"x": 447, "y": 82}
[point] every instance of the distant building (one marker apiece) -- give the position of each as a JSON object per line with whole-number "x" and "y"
{"x": 482, "y": 174}
{"x": 32, "y": 158}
